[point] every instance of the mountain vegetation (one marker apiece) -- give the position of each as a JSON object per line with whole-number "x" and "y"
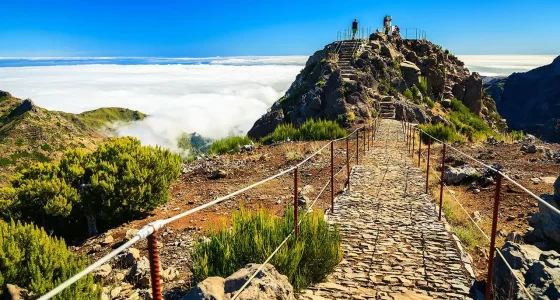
{"x": 119, "y": 181}
{"x": 31, "y": 134}
{"x": 37, "y": 262}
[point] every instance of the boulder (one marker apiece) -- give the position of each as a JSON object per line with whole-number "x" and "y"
{"x": 538, "y": 270}
{"x": 107, "y": 240}
{"x": 546, "y": 223}
{"x": 304, "y": 196}
{"x": 411, "y": 73}
{"x": 169, "y": 274}
{"x": 24, "y": 106}
{"x": 473, "y": 93}
{"x": 557, "y": 190}
{"x": 268, "y": 284}
{"x": 439, "y": 119}
{"x": 366, "y": 55}
{"x": 375, "y": 46}
{"x": 528, "y": 139}
{"x": 212, "y": 288}
{"x": 267, "y": 123}
{"x": 388, "y": 51}
{"x": 458, "y": 175}
{"x": 5, "y": 94}
{"x": 531, "y": 149}
{"x": 140, "y": 272}
{"x": 446, "y": 103}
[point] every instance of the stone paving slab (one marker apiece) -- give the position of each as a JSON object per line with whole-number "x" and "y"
{"x": 394, "y": 246}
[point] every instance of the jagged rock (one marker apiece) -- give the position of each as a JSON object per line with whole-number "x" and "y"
{"x": 458, "y": 91}
{"x": 5, "y": 94}
{"x": 538, "y": 270}
{"x": 107, "y": 240}
{"x": 387, "y": 50}
{"x": 17, "y": 293}
{"x": 128, "y": 257}
{"x": 514, "y": 237}
{"x": 557, "y": 189}
{"x": 458, "y": 175}
{"x": 473, "y": 93}
{"x": 412, "y": 57}
{"x": 446, "y": 103}
{"x": 439, "y": 119}
{"x": 102, "y": 272}
{"x": 546, "y": 224}
{"x": 304, "y": 196}
{"x": 139, "y": 272}
{"x": 411, "y": 73}
{"x": 528, "y": 139}
{"x": 25, "y": 106}
{"x": 268, "y": 284}
{"x": 212, "y": 288}
{"x": 169, "y": 274}
{"x": 476, "y": 216}
{"x": 531, "y": 149}
{"x": 266, "y": 124}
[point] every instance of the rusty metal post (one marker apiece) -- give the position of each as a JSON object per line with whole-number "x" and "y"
{"x": 357, "y": 146}
{"x": 441, "y": 181}
{"x": 493, "y": 238}
{"x": 428, "y": 163}
{"x": 153, "y": 255}
{"x": 332, "y": 177}
{"x": 364, "y": 139}
{"x": 368, "y": 135}
{"x": 419, "y": 146}
{"x": 413, "y": 140}
{"x": 296, "y": 229}
{"x": 347, "y": 165}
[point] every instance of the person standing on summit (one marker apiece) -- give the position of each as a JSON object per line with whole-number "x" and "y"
{"x": 354, "y": 28}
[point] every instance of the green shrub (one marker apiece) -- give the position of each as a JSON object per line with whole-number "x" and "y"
{"x": 517, "y": 135}
{"x": 429, "y": 102}
{"x": 320, "y": 83}
{"x": 119, "y": 181}
{"x": 310, "y": 130}
{"x": 441, "y": 132}
{"x": 230, "y": 144}
{"x": 254, "y": 236}
{"x": 46, "y": 147}
{"x": 31, "y": 259}
{"x": 467, "y": 122}
{"x": 20, "y": 142}
{"x": 350, "y": 116}
{"x": 414, "y": 90}
{"x": 408, "y": 94}
{"x": 423, "y": 86}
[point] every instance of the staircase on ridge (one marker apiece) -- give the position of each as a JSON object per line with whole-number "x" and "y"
{"x": 346, "y": 58}
{"x": 387, "y": 108}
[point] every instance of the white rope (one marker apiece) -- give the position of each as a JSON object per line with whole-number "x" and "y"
{"x": 499, "y": 172}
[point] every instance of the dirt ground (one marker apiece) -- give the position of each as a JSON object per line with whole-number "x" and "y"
{"x": 532, "y": 171}
{"x": 243, "y": 169}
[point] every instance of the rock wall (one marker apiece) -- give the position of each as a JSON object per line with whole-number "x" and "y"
{"x": 530, "y": 101}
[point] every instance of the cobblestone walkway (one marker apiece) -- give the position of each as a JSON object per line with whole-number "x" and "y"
{"x": 394, "y": 246}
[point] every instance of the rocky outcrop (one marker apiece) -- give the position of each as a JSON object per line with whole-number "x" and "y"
{"x": 539, "y": 272}
{"x": 268, "y": 284}
{"x": 411, "y": 73}
{"x": 530, "y": 101}
{"x": 546, "y": 223}
{"x": 25, "y": 106}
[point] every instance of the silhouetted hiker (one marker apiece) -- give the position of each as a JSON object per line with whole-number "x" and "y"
{"x": 354, "y": 28}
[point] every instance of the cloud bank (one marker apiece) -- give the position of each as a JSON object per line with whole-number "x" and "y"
{"x": 498, "y": 65}
{"x": 214, "y": 100}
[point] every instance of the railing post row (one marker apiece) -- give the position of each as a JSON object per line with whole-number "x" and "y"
{"x": 428, "y": 163}
{"x": 357, "y": 146}
{"x": 488, "y": 292}
{"x": 332, "y": 177}
{"x": 441, "y": 181}
{"x": 364, "y": 138}
{"x": 347, "y": 164}
{"x": 413, "y": 140}
{"x": 153, "y": 255}
{"x": 419, "y": 146}
{"x": 296, "y": 229}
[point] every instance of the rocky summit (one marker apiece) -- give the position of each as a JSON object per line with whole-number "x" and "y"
{"x": 353, "y": 81}
{"x": 530, "y": 101}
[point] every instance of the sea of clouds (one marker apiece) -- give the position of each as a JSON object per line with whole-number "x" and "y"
{"x": 214, "y": 97}
{"x": 503, "y": 65}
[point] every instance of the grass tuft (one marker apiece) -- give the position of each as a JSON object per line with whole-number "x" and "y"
{"x": 230, "y": 144}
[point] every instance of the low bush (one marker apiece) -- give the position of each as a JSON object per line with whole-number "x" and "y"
{"x": 310, "y": 130}
{"x": 320, "y": 83}
{"x": 254, "y": 236}
{"x": 31, "y": 259}
{"x": 230, "y": 144}
{"x": 408, "y": 94}
{"x": 517, "y": 135}
{"x": 423, "y": 86}
{"x": 429, "y": 102}
{"x": 468, "y": 123}
{"x": 441, "y": 132}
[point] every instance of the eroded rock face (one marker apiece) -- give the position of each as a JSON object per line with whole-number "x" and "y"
{"x": 268, "y": 284}
{"x": 546, "y": 223}
{"x": 538, "y": 270}
{"x": 473, "y": 93}
{"x": 411, "y": 73}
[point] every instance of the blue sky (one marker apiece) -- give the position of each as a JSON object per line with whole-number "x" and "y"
{"x": 198, "y": 28}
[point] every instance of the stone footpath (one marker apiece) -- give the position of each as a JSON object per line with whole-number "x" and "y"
{"x": 394, "y": 246}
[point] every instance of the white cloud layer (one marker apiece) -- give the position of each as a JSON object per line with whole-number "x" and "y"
{"x": 495, "y": 65}
{"x": 214, "y": 100}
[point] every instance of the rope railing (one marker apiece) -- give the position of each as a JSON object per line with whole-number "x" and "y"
{"x": 411, "y": 130}
{"x": 150, "y": 230}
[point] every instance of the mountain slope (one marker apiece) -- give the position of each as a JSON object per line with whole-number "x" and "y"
{"x": 29, "y": 133}
{"x": 352, "y": 81}
{"x": 530, "y": 101}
